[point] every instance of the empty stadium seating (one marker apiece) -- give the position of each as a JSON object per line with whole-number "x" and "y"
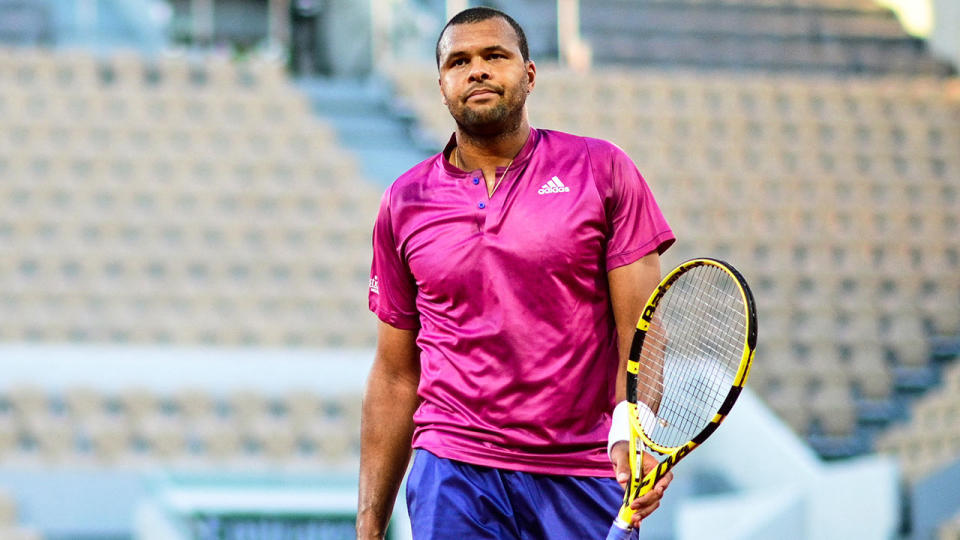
{"x": 192, "y": 427}
{"x": 837, "y": 198}
{"x": 815, "y": 36}
{"x": 175, "y": 200}
{"x": 196, "y": 201}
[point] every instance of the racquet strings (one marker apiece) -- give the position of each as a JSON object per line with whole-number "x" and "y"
{"x": 695, "y": 343}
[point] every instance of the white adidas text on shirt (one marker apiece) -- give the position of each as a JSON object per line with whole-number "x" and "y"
{"x": 553, "y": 186}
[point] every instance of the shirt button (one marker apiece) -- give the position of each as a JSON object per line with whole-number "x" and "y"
{"x": 476, "y": 181}
{"x": 481, "y": 206}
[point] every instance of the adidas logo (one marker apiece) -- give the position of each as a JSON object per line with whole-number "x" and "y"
{"x": 553, "y": 186}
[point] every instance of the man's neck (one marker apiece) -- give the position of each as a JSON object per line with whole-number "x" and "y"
{"x": 479, "y": 152}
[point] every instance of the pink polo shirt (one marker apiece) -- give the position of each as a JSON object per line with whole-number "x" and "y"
{"x": 510, "y": 295}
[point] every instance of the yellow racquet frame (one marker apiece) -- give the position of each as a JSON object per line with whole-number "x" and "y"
{"x": 641, "y": 486}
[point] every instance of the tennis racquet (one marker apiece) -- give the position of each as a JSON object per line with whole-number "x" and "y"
{"x": 688, "y": 362}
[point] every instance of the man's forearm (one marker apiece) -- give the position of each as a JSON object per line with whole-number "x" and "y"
{"x": 386, "y": 432}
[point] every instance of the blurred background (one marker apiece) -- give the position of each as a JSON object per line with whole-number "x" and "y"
{"x": 187, "y": 190}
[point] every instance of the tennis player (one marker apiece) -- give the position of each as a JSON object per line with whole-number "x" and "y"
{"x": 504, "y": 270}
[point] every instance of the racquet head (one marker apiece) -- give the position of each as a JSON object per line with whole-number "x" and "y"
{"x": 690, "y": 357}
{"x": 691, "y": 354}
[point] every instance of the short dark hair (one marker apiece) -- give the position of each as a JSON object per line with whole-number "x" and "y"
{"x": 478, "y": 14}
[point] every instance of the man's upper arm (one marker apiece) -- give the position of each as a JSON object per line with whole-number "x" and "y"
{"x": 397, "y": 354}
{"x": 630, "y": 287}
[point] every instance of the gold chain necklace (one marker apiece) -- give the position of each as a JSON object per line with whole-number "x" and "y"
{"x": 495, "y": 186}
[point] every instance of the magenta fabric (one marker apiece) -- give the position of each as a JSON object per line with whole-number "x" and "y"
{"x": 510, "y": 295}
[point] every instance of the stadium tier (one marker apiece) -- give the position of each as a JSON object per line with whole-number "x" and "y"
{"x": 175, "y": 201}
{"x": 837, "y": 198}
{"x": 191, "y": 427}
{"x": 932, "y": 437}
{"x": 809, "y": 36}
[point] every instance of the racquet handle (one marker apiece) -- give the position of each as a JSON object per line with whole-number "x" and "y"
{"x": 619, "y": 531}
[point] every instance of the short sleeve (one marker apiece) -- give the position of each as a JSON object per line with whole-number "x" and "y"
{"x": 636, "y": 226}
{"x": 393, "y": 291}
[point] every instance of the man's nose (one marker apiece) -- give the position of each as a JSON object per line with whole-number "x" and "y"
{"x": 479, "y": 71}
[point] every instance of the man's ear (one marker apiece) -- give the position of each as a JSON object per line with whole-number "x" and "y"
{"x": 531, "y": 75}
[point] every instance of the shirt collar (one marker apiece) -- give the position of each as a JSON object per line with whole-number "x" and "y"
{"x": 518, "y": 162}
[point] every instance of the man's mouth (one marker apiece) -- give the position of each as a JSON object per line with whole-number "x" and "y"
{"x": 481, "y": 93}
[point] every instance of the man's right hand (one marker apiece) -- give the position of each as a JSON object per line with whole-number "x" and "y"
{"x": 650, "y": 501}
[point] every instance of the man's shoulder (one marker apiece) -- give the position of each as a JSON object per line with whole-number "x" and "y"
{"x": 418, "y": 173}
{"x": 571, "y": 140}
{"x": 414, "y": 179}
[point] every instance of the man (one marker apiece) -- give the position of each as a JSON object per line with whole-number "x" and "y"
{"x": 504, "y": 270}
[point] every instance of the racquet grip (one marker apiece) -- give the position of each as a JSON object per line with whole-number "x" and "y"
{"x": 620, "y": 530}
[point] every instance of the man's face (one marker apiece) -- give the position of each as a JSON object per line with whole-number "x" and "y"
{"x": 483, "y": 77}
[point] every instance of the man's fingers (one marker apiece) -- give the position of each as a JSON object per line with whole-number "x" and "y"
{"x": 650, "y": 501}
{"x": 654, "y": 494}
{"x": 664, "y": 482}
{"x": 644, "y": 506}
{"x": 620, "y": 458}
{"x": 649, "y": 498}
{"x": 642, "y": 514}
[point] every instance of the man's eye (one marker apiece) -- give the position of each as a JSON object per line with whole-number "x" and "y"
{"x": 458, "y": 62}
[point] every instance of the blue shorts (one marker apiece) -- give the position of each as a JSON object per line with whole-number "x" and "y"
{"x": 454, "y": 500}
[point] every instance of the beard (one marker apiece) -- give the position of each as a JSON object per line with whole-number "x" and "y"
{"x": 505, "y": 116}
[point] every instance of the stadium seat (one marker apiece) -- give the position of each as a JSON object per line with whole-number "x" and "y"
{"x": 303, "y": 406}
{"x": 27, "y": 400}
{"x": 248, "y": 406}
{"x": 83, "y": 402}
{"x": 869, "y": 371}
{"x": 335, "y": 443}
{"x": 906, "y": 339}
{"x": 221, "y": 439}
{"x": 834, "y": 409}
{"x": 109, "y": 438}
{"x": 52, "y": 436}
{"x": 163, "y": 438}
{"x": 788, "y": 400}
{"x": 138, "y": 403}
{"x": 276, "y": 437}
